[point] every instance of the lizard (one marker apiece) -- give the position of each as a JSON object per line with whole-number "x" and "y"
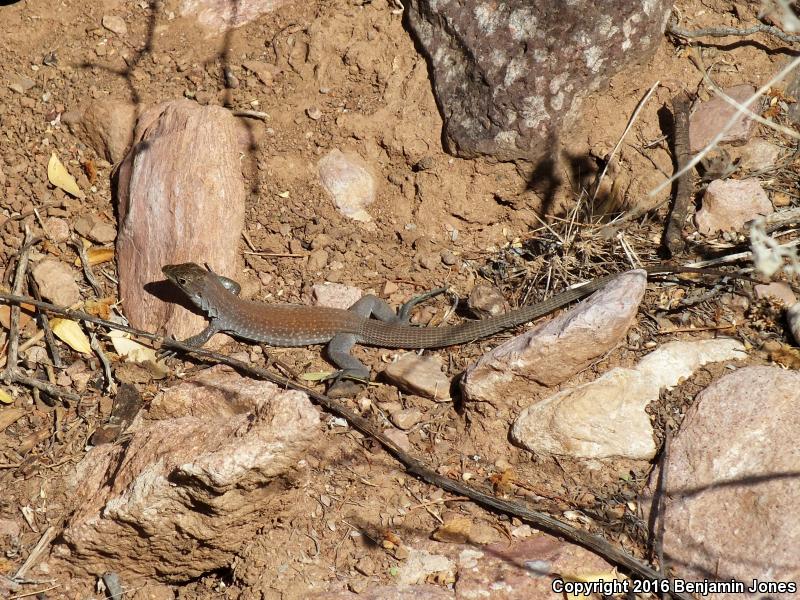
{"x": 370, "y": 321}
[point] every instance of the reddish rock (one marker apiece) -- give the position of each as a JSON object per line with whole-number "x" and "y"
{"x": 178, "y": 497}
{"x": 556, "y": 350}
{"x": 729, "y": 204}
{"x": 106, "y": 126}
{"x": 221, "y": 15}
{"x": 56, "y": 281}
{"x": 421, "y": 375}
{"x": 732, "y": 482}
{"x": 181, "y": 195}
{"x": 778, "y": 290}
{"x": 524, "y": 570}
{"x": 509, "y": 76}
{"x": 711, "y": 116}
{"x": 335, "y": 295}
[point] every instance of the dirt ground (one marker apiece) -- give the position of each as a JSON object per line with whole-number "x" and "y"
{"x": 354, "y": 68}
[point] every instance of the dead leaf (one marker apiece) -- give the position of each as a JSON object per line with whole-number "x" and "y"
{"x": 9, "y": 416}
{"x": 5, "y": 397}
{"x": 71, "y": 334}
{"x": 60, "y": 177}
{"x": 99, "y": 308}
{"x": 455, "y": 530}
{"x": 91, "y": 170}
{"x": 97, "y": 256}
{"x": 25, "y": 315}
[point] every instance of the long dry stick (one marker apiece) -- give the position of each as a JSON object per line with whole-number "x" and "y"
{"x": 412, "y": 465}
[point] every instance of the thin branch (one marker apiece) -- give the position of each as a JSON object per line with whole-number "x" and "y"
{"x": 726, "y": 31}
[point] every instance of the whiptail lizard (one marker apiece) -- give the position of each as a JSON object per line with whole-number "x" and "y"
{"x": 370, "y": 321}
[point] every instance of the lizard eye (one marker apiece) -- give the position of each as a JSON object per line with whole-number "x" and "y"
{"x": 182, "y": 280}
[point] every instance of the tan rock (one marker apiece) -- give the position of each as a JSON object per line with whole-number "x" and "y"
{"x": 486, "y": 301}
{"x": 177, "y": 499}
{"x": 181, "y": 199}
{"x": 335, "y": 295}
{"x": 778, "y": 290}
{"x": 349, "y": 182}
{"x": 556, "y": 350}
{"x": 220, "y": 15}
{"x": 107, "y": 126}
{"x": 56, "y": 281}
{"x": 607, "y": 418}
{"x": 421, "y": 375}
{"x": 729, "y": 204}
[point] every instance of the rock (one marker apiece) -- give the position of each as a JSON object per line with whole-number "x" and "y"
{"x": 711, "y": 116}
{"x": 777, "y": 290}
{"x": 400, "y": 438}
{"x": 421, "y": 375}
{"x": 335, "y": 295}
{"x": 758, "y": 155}
{"x": 420, "y": 564}
{"x": 317, "y": 260}
{"x": 510, "y": 76}
{"x": 107, "y": 126}
{"x": 103, "y": 233}
{"x": 554, "y": 351}
{"x": 406, "y": 418}
{"x": 22, "y": 85}
{"x": 57, "y": 229}
{"x": 220, "y": 15}
{"x": 729, "y": 204}
{"x": 731, "y": 458}
{"x": 523, "y": 570}
{"x": 179, "y": 147}
{"x": 350, "y": 184}
{"x": 486, "y": 301}
{"x": 56, "y": 282}
{"x": 265, "y": 72}
{"x": 207, "y": 471}
{"x": 314, "y": 113}
{"x": 607, "y": 418}
{"x": 115, "y": 24}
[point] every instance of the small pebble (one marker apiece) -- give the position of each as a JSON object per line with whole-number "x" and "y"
{"x": 314, "y": 113}
{"x": 449, "y": 258}
{"x": 115, "y": 24}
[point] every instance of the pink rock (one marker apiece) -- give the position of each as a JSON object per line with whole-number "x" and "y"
{"x": 56, "y": 281}
{"x": 522, "y": 570}
{"x": 554, "y": 351}
{"x": 390, "y": 592}
{"x": 421, "y": 375}
{"x": 729, "y": 204}
{"x": 732, "y": 482}
{"x": 107, "y": 126}
{"x": 181, "y": 199}
{"x": 777, "y": 290}
{"x": 177, "y": 499}
{"x": 349, "y": 182}
{"x": 335, "y": 295}
{"x": 221, "y": 15}
{"x": 711, "y": 117}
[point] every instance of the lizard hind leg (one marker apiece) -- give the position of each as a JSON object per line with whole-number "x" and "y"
{"x": 373, "y": 307}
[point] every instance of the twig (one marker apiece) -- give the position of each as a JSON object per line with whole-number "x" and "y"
{"x": 726, "y": 31}
{"x": 19, "y": 279}
{"x": 40, "y": 547}
{"x": 252, "y": 114}
{"x": 412, "y": 465}
{"x": 53, "y": 390}
{"x": 55, "y": 355}
{"x": 734, "y": 118}
{"x": 87, "y": 268}
{"x": 683, "y": 194}
{"x": 631, "y": 121}
{"x": 110, "y": 387}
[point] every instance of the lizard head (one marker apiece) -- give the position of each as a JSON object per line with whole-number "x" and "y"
{"x": 189, "y": 277}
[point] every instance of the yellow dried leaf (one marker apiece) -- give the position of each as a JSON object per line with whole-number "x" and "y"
{"x": 97, "y": 256}
{"x": 455, "y": 530}
{"x": 131, "y": 350}
{"x": 5, "y": 397}
{"x": 60, "y": 177}
{"x": 71, "y": 334}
